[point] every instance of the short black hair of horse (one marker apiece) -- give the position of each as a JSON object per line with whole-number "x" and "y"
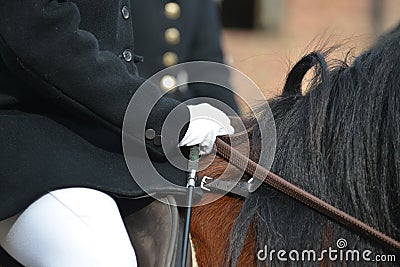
{"x": 341, "y": 142}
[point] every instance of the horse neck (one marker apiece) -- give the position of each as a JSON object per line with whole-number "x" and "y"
{"x": 339, "y": 142}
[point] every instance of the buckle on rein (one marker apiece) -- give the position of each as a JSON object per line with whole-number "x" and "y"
{"x": 209, "y": 184}
{"x": 217, "y": 186}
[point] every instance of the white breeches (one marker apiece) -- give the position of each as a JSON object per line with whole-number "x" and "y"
{"x": 69, "y": 227}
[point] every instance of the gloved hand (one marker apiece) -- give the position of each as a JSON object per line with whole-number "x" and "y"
{"x": 206, "y": 123}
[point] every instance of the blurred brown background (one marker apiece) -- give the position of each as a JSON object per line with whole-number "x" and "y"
{"x": 264, "y": 38}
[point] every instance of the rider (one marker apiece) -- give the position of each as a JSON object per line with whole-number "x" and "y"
{"x": 67, "y": 73}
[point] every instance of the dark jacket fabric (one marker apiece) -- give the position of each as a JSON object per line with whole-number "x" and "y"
{"x": 67, "y": 74}
{"x": 196, "y": 37}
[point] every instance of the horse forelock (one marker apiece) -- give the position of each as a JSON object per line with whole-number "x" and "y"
{"x": 341, "y": 142}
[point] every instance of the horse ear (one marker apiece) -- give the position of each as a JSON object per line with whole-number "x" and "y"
{"x": 296, "y": 74}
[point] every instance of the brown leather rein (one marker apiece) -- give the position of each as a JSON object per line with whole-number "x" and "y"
{"x": 245, "y": 164}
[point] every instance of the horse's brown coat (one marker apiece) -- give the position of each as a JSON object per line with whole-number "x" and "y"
{"x": 212, "y": 224}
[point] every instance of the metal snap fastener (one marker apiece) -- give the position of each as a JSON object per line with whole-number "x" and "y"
{"x": 150, "y": 134}
{"x": 127, "y": 55}
{"x": 125, "y": 12}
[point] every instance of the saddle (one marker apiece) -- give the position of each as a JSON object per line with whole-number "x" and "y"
{"x": 156, "y": 233}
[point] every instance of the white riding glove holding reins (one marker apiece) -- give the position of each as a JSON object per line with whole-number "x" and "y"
{"x": 206, "y": 123}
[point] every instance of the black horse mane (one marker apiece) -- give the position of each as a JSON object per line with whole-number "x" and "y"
{"x": 341, "y": 142}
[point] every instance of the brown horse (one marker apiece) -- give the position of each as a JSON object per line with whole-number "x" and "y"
{"x": 339, "y": 141}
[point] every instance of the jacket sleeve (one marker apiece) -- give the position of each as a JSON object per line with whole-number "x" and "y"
{"x": 41, "y": 41}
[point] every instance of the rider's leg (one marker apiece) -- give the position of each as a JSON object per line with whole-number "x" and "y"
{"x": 69, "y": 227}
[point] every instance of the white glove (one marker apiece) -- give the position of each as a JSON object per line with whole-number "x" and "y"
{"x": 206, "y": 123}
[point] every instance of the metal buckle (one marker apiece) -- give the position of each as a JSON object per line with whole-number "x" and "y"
{"x": 204, "y": 183}
{"x": 241, "y": 188}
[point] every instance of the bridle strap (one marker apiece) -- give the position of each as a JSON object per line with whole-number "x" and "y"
{"x": 250, "y": 167}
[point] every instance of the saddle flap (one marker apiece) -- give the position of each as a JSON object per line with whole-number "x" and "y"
{"x": 155, "y": 233}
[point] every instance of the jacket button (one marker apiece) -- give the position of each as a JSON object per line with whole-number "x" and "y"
{"x": 125, "y": 12}
{"x": 172, "y": 10}
{"x": 168, "y": 83}
{"x": 127, "y": 55}
{"x": 172, "y": 36}
{"x": 169, "y": 59}
{"x": 150, "y": 134}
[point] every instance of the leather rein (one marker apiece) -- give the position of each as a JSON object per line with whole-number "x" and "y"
{"x": 245, "y": 164}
